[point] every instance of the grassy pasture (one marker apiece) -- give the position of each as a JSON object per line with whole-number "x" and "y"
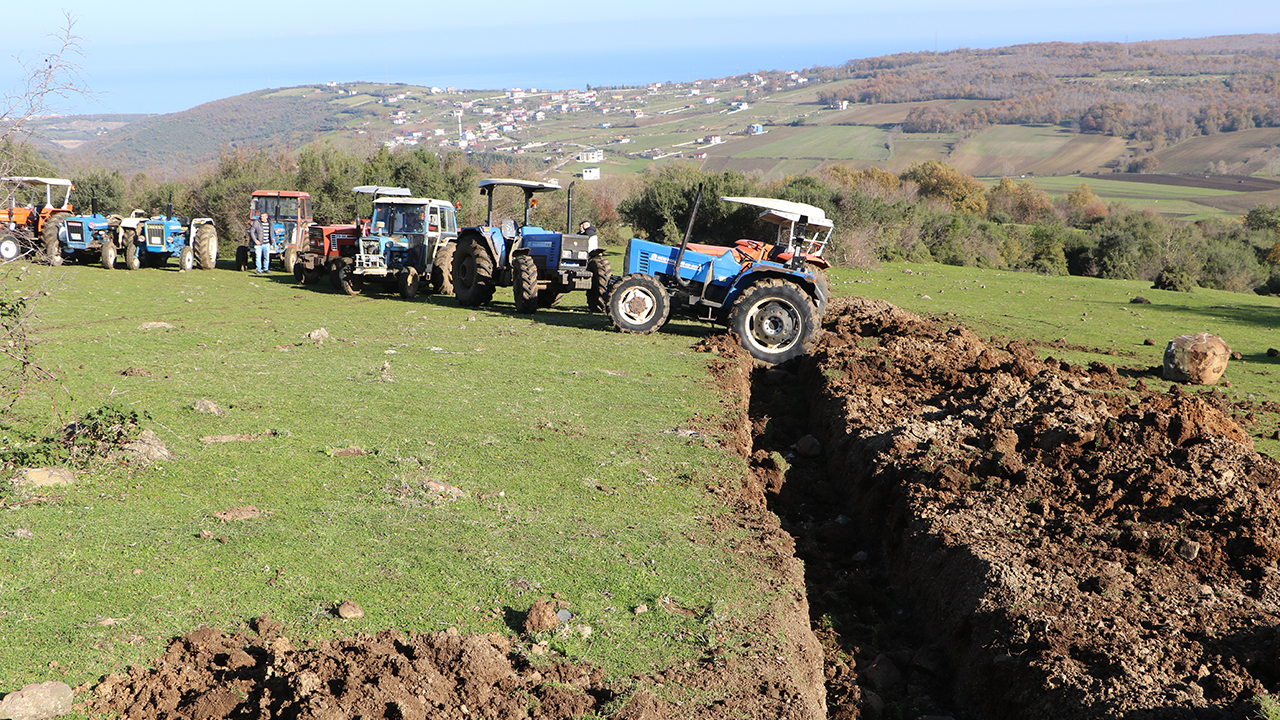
{"x": 840, "y": 142}
{"x": 1183, "y": 202}
{"x": 1256, "y": 148}
{"x": 574, "y": 447}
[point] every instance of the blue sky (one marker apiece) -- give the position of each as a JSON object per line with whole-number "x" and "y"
{"x": 163, "y": 56}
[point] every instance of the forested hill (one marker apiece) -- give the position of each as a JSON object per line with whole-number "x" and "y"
{"x": 1165, "y": 90}
{"x": 1136, "y": 99}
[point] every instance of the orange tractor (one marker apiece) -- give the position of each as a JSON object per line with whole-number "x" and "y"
{"x": 34, "y": 210}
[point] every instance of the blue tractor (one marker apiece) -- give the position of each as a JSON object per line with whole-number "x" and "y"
{"x": 770, "y": 295}
{"x": 152, "y": 241}
{"x": 539, "y": 265}
{"x": 410, "y": 241}
{"x": 88, "y": 237}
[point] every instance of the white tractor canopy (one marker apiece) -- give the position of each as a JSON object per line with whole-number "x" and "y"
{"x": 782, "y": 212}
{"x": 380, "y": 190}
{"x": 529, "y": 185}
{"x": 29, "y": 183}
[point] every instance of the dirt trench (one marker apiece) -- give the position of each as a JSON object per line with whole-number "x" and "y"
{"x": 988, "y": 535}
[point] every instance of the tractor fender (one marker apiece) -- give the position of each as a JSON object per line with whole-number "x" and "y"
{"x": 751, "y": 278}
{"x": 486, "y": 235}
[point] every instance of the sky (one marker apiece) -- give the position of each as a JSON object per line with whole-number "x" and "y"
{"x": 152, "y": 56}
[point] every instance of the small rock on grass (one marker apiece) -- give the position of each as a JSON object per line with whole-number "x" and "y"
{"x": 350, "y": 610}
{"x": 207, "y": 406}
{"x": 47, "y": 477}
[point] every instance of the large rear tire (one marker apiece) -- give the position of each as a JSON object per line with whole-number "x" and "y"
{"x": 49, "y": 233}
{"x": 132, "y": 251}
{"x": 472, "y": 273}
{"x": 442, "y": 269}
{"x": 639, "y": 304}
{"x": 205, "y": 244}
{"x": 774, "y": 320}
{"x": 824, "y": 285}
{"x": 409, "y": 280}
{"x": 524, "y": 283}
{"x": 601, "y": 273}
{"x": 109, "y": 254}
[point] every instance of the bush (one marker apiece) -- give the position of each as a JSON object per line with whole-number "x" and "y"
{"x": 1178, "y": 279}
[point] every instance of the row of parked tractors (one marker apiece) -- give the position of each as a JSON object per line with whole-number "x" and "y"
{"x": 771, "y": 294}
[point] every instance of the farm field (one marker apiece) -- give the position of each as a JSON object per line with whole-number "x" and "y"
{"x": 446, "y": 467}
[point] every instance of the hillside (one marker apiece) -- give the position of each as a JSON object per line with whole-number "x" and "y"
{"x": 1204, "y": 106}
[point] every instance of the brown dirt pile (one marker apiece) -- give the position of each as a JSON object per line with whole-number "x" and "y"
{"x": 208, "y": 674}
{"x": 1055, "y": 541}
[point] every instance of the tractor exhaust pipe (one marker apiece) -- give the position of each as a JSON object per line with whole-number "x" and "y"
{"x": 568, "y": 223}
{"x": 688, "y": 232}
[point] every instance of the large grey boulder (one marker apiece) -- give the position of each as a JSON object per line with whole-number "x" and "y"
{"x": 37, "y": 702}
{"x": 1198, "y": 359}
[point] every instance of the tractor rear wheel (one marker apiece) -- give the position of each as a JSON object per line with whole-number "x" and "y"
{"x": 524, "y": 283}
{"x": 49, "y": 233}
{"x": 472, "y": 272}
{"x": 824, "y": 285}
{"x": 442, "y": 270}
{"x": 601, "y": 273}
{"x": 639, "y": 304}
{"x": 774, "y": 320}
{"x": 9, "y": 248}
{"x": 242, "y": 258}
{"x": 186, "y": 258}
{"x": 205, "y": 244}
{"x": 132, "y": 251}
{"x": 349, "y": 283}
{"x": 109, "y": 254}
{"x": 409, "y": 282}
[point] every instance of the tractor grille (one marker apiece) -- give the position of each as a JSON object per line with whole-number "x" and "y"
{"x": 154, "y": 233}
{"x": 75, "y": 230}
{"x": 573, "y": 247}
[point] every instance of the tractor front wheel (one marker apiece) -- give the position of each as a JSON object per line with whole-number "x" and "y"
{"x": 472, "y": 272}
{"x": 774, "y": 320}
{"x": 205, "y": 243}
{"x": 601, "y": 273}
{"x": 409, "y": 282}
{"x": 639, "y": 304}
{"x": 109, "y": 254}
{"x": 9, "y": 248}
{"x": 824, "y": 286}
{"x": 442, "y": 270}
{"x": 132, "y": 251}
{"x": 351, "y": 284}
{"x": 186, "y": 258}
{"x": 524, "y": 283}
{"x": 289, "y": 258}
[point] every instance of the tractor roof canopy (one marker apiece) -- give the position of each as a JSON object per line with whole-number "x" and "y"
{"x": 429, "y": 202}
{"x": 381, "y": 190}
{"x": 785, "y": 212}
{"x": 527, "y": 185}
{"x": 24, "y": 180}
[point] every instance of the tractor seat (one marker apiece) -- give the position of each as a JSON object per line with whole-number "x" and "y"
{"x": 719, "y": 250}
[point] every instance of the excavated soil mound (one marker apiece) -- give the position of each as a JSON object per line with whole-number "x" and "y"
{"x": 991, "y": 535}
{"x": 208, "y": 674}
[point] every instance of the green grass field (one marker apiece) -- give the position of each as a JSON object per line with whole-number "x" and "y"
{"x": 571, "y": 443}
{"x": 837, "y": 142}
{"x": 581, "y": 456}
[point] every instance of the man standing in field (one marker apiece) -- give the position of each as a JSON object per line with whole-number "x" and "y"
{"x": 260, "y": 234}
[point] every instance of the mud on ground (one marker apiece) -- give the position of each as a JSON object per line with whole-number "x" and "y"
{"x": 984, "y": 535}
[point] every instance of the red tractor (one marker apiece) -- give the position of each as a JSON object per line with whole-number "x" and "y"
{"x": 328, "y": 246}
{"x": 289, "y": 212}
{"x": 34, "y": 210}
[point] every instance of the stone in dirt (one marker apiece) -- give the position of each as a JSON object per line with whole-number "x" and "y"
{"x": 541, "y": 617}
{"x": 38, "y": 701}
{"x": 1198, "y": 359}
{"x": 47, "y": 477}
